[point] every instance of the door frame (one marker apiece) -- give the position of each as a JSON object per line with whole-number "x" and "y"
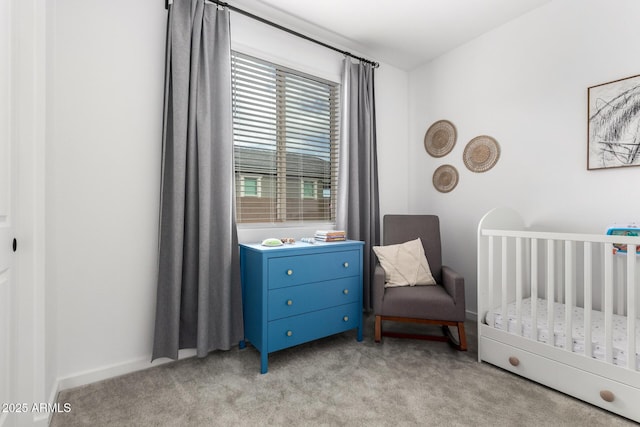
{"x": 8, "y": 318}
{"x": 31, "y": 53}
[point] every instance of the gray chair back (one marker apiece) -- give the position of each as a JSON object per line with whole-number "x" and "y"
{"x": 402, "y": 228}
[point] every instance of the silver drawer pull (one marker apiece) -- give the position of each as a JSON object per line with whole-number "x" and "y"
{"x": 289, "y": 333}
{"x": 289, "y": 272}
{"x": 346, "y": 292}
{"x": 345, "y": 318}
{"x": 346, "y": 264}
{"x": 289, "y": 302}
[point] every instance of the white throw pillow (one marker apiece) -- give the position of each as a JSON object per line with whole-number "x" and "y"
{"x": 404, "y": 264}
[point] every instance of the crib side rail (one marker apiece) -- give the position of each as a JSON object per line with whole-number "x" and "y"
{"x": 574, "y": 237}
{"x": 514, "y": 265}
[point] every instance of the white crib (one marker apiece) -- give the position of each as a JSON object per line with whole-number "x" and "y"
{"x": 561, "y": 309}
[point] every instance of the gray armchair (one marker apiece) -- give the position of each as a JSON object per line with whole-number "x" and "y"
{"x": 442, "y": 304}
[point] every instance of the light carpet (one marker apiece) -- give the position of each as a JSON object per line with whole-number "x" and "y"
{"x": 330, "y": 382}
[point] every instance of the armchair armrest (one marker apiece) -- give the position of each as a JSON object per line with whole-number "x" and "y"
{"x": 377, "y": 291}
{"x": 454, "y": 285}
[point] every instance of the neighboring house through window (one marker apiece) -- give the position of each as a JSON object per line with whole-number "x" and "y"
{"x": 285, "y": 126}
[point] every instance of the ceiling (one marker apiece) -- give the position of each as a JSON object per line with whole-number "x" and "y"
{"x": 402, "y": 33}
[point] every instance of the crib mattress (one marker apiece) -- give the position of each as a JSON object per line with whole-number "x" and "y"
{"x": 494, "y": 318}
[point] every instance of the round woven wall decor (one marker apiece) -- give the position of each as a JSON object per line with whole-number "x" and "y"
{"x": 481, "y": 153}
{"x": 445, "y": 178}
{"x": 440, "y": 138}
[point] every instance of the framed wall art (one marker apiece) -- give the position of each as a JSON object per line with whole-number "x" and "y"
{"x": 613, "y": 126}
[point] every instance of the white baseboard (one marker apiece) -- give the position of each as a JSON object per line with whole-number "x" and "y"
{"x": 40, "y": 420}
{"x": 106, "y": 372}
{"x": 34, "y": 419}
{"x": 44, "y": 419}
{"x": 24, "y": 419}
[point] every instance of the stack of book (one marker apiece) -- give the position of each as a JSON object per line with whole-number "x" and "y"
{"x": 330, "y": 235}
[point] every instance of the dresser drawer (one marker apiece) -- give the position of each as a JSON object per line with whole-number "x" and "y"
{"x": 295, "y": 330}
{"x": 299, "y": 269}
{"x": 294, "y": 300}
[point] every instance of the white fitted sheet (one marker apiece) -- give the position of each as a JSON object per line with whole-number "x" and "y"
{"x": 494, "y": 318}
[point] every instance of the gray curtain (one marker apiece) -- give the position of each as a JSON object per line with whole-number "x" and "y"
{"x": 358, "y": 208}
{"x": 199, "y": 299}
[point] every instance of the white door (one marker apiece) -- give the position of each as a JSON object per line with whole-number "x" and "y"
{"x": 7, "y": 184}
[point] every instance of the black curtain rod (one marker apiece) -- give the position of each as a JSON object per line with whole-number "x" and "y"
{"x": 287, "y": 30}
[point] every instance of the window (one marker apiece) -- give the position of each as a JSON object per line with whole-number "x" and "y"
{"x": 285, "y": 130}
{"x": 250, "y": 186}
{"x": 309, "y": 189}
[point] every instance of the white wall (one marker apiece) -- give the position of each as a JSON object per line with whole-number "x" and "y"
{"x": 525, "y": 84}
{"x": 103, "y": 170}
{"x": 103, "y": 174}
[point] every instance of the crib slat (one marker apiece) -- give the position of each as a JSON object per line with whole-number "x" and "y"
{"x": 519, "y": 286}
{"x": 619, "y": 279}
{"x": 559, "y": 274}
{"x": 534, "y": 289}
{"x": 631, "y": 307}
{"x": 588, "y": 299}
{"x": 505, "y": 319}
{"x": 491, "y": 278}
{"x": 608, "y": 302}
{"x": 568, "y": 295}
{"x": 550, "y": 291}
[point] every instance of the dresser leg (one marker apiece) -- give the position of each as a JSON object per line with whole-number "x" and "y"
{"x": 263, "y": 362}
{"x": 242, "y": 344}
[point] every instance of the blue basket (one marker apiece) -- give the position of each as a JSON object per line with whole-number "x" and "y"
{"x": 631, "y": 230}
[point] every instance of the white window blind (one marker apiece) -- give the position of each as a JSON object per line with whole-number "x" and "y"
{"x": 285, "y": 129}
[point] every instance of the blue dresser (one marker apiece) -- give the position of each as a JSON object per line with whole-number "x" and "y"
{"x": 299, "y": 292}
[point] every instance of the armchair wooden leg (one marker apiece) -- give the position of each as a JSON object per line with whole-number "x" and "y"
{"x": 462, "y": 336}
{"x": 378, "y": 329}
{"x": 461, "y": 342}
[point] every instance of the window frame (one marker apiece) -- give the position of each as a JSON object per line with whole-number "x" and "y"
{"x": 281, "y": 219}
